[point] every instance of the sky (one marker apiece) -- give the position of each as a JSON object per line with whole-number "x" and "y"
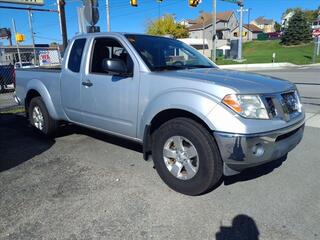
{"x": 125, "y": 18}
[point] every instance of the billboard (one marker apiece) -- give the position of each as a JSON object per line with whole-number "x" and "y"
{"x": 49, "y": 58}
{"x": 5, "y": 33}
{"x": 26, "y": 2}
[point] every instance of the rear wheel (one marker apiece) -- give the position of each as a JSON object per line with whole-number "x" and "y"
{"x": 2, "y": 85}
{"x": 186, "y": 156}
{"x": 40, "y": 118}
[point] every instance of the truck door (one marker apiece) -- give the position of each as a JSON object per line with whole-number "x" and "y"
{"x": 71, "y": 81}
{"x": 109, "y": 101}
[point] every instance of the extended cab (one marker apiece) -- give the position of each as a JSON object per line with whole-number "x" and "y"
{"x": 198, "y": 121}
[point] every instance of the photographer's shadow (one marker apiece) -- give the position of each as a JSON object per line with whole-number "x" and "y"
{"x": 243, "y": 228}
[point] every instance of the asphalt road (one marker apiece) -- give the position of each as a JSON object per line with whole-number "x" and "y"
{"x": 87, "y": 185}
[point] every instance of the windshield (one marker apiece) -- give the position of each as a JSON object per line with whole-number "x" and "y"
{"x": 161, "y": 53}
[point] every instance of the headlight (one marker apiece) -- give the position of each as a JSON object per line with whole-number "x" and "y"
{"x": 248, "y": 106}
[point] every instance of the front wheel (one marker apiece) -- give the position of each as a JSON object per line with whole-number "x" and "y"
{"x": 40, "y": 118}
{"x": 186, "y": 156}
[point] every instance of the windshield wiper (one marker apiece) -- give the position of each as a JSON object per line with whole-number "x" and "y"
{"x": 168, "y": 67}
{"x": 198, "y": 66}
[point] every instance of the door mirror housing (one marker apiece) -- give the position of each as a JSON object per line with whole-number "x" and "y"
{"x": 115, "y": 67}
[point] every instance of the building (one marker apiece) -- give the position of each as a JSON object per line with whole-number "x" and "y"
{"x": 285, "y": 19}
{"x": 267, "y": 25}
{"x": 202, "y": 27}
{"x": 250, "y": 32}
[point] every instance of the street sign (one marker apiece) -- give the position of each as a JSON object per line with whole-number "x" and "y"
{"x": 91, "y": 12}
{"x": 26, "y": 2}
{"x": 316, "y": 33}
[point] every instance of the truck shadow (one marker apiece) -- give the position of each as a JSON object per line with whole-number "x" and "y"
{"x": 19, "y": 142}
{"x": 243, "y": 228}
{"x": 69, "y": 129}
{"x": 254, "y": 172}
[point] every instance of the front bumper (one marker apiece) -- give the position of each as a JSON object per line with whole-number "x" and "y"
{"x": 242, "y": 151}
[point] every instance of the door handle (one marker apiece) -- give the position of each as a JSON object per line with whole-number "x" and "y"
{"x": 87, "y": 83}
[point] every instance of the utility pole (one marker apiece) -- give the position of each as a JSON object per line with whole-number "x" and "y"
{"x": 240, "y": 32}
{"x": 214, "y": 30}
{"x": 62, "y": 19}
{"x": 10, "y": 38}
{"x": 17, "y": 43}
{"x": 249, "y": 12}
{"x": 203, "y": 36}
{"x": 108, "y": 15}
{"x": 32, "y": 36}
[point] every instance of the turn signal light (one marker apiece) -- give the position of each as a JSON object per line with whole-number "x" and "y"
{"x": 232, "y": 102}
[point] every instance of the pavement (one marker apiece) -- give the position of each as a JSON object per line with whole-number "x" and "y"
{"x": 88, "y": 185}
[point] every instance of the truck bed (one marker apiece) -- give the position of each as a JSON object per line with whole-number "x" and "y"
{"x": 44, "y": 80}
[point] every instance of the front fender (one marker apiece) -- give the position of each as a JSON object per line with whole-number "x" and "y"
{"x": 193, "y": 101}
{"x": 37, "y": 85}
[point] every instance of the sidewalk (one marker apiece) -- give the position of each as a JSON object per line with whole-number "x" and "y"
{"x": 7, "y": 101}
{"x": 313, "y": 120}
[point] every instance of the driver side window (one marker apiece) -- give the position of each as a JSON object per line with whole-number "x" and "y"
{"x": 109, "y": 48}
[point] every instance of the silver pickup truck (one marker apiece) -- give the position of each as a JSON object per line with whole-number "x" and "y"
{"x": 197, "y": 121}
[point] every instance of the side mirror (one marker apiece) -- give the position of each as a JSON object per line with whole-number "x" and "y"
{"x": 115, "y": 67}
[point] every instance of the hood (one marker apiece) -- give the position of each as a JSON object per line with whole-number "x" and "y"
{"x": 239, "y": 82}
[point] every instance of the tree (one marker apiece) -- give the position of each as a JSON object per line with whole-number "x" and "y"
{"x": 298, "y": 30}
{"x": 277, "y": 27}
{"x": 53, "y": 44}
{"x": 310, "y": 15}
{"x": 289, "y": 10}
{"x": 167, "y": 25}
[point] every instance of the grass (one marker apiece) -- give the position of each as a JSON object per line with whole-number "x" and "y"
{"x": 261, "y": 52}
{"x": 13, "y": 110}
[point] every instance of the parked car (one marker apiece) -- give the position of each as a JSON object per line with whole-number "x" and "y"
{"x": 274, "y": 35}
{"x": 197, "y": 121}
{"x": 23, "y": 65}
{"x": 7, "y": 76}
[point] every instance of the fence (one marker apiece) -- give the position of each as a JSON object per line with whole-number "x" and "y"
{"x": 12, "y": 58}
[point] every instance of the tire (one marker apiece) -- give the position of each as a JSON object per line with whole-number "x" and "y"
{"x": 46, "y": 125}
{"x": 206, "y": 169}
{"x": 2, "y": 85}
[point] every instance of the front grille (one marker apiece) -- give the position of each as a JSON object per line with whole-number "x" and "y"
{"x": 289, "y": 134}
{"x": 284, "y": 106}
{"x": 272, "y": 111}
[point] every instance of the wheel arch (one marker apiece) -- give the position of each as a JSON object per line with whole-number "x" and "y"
{"x": 165, "y": 116}
{"x": 37, "y": 89}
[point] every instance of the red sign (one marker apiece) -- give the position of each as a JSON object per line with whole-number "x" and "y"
{"x": 316, "y": 33}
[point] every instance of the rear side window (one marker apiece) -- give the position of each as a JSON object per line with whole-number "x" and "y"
{"x": 76, "y": 55}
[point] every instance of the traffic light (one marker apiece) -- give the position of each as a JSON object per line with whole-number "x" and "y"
{"x": 134, "y": 3}
{"x": 194, "y": 3}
